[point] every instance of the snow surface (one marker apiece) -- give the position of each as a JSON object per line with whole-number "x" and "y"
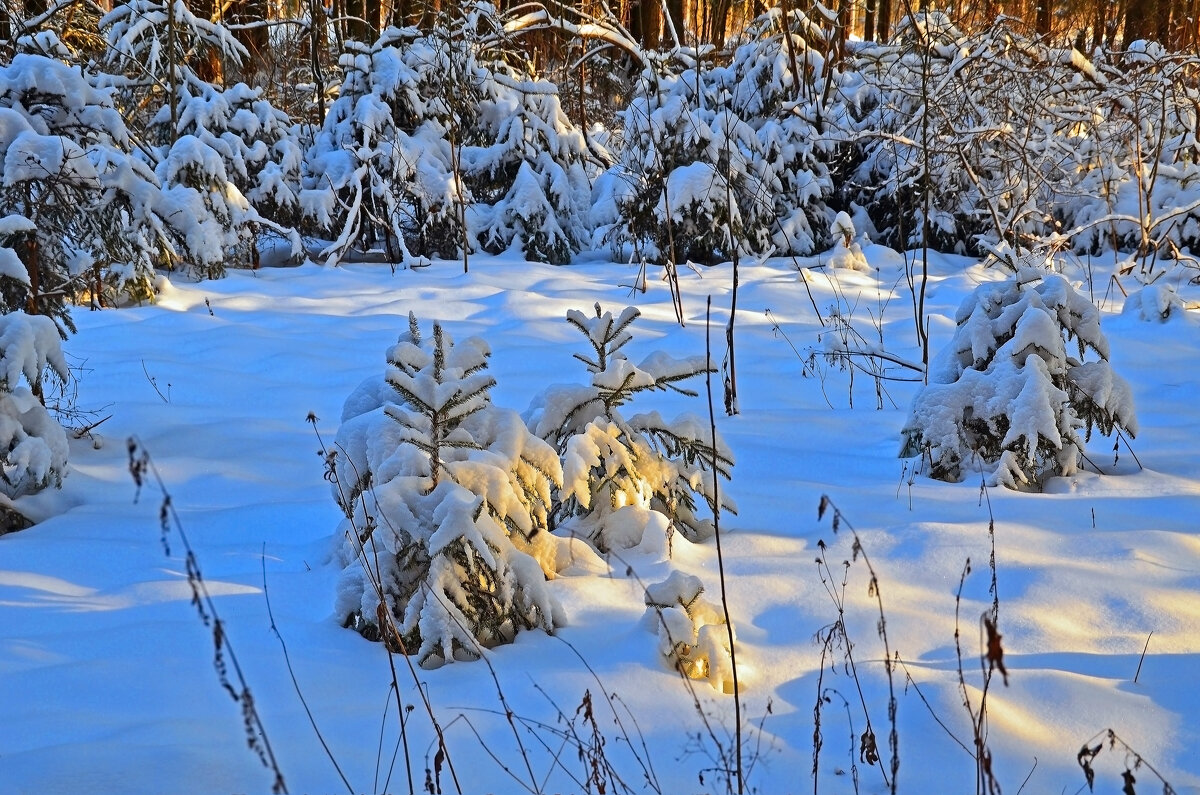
{"x": 106, "y": 673}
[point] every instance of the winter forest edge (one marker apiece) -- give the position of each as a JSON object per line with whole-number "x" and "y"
{"x": 968, "y": 213}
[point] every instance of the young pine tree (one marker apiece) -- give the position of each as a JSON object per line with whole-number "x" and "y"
{"x": 613, "y": 464}
{"x": 1008, "y": 396}
{"x": 442, "y": 490}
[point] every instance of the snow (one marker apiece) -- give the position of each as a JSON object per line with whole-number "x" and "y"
{"x": 106, "y": 674}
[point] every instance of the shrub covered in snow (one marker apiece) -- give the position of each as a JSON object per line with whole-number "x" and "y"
{"x": 994, "y": 136}
{"x": 228, "y": 154}
{"x": 614, "y": 466}
{"x": 226, "y": 161}
{"x": 846, "y": 251}
{"x": 436, "y": 142}
{"x": 442, "y": 490}
{"x": 1008, "y": 396}
{"x": 81, "y": 215}
{"x": 33, "y": 446}
{"x": 152, "y": 47}
{"x": 718, "y": 156}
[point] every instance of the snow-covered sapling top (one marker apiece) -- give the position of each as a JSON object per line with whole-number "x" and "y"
{"x": 846, "y": 252}
{"x": 1010, "y": 396}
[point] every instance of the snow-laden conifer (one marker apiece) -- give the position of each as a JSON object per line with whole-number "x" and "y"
{"x": 446, "y": 497}
{"x": 33, "y": 446}
{"x": 438, "y": 143}
{"x": 241, "y": 154}
{"x": 718, "y": 156}
{"x": 1013, "y": 395}
{"x": 213, "y": 151}
{"x": 91, "y": 213}
{"x": 613, "y": 464}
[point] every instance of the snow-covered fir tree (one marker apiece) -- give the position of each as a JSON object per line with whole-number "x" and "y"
{"x": 723, "y": 155}
{"x": 442, "y": 491}
{"x": 1013, "y": 395}
{"x": 33, "y": 446}
{"x": 681, "y": 190}
{"x": 82, "y": 214}
{"x": 617, "y": 469}
{"x": 370, "y": 180}
{"x": 437, "y": 143}
{"x": 152, "y": 47}
{"x": 209, "y": 147}
{"x": 241, "y": 154}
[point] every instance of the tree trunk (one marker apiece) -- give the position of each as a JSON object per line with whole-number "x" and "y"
{"x": 841, "y": 28}
{"x": 646, "y": 23}
{"x": 358, "y": 26}
{"x": 719, "y": 18}
{"x": 1139, "y": 20}
{"x": 1162, "y": 21}
{"x": 884, "y": 21}
{"x": 1044, "y": 16}
{"x": 675, "y": 19}
{"x": 1099, "y": 25}
{"x": 254, "y": 39}
{"x": 206, "y": 63}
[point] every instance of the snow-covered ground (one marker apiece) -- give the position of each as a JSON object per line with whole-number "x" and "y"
{"x": 106, "y": 673}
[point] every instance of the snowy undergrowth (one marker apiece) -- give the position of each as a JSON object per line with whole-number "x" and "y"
{"x": 107, "y": 679}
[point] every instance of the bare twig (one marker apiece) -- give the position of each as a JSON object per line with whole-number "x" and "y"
{"x": 737, "y": 708}
{"x": 225, "y": 660}
{"x": 292, "y": 673}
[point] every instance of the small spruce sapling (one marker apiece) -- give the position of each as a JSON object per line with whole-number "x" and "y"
{"x": 613, "y": 465}
{"x": 442, "y": 490}
{"x": 1007, "y": 396}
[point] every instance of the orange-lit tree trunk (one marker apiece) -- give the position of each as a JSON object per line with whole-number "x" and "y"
{"x": 883, "y": 23}
{"x": 252, "y": 13}
{"x": 646, "y": 22}
{"x": 869, "y": 21}
{"x": 1044, "y": 16}
{"x": 675, "y": 19}
{"x": 718, "y": 20}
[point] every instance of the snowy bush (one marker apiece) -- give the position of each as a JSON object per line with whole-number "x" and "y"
{"x": 372, "y": 178}
{"x": 241, "y": 155}
{"x": 692, "y": 632}
{"x": 81, "y": 214}
{"x": 212, "y": 150}
{"x": 1007, "y": 396}
{"x": 720, "y": 156}
{"x": 1137, "y": 165}
{"x": 153, "y": 47}
{"x": 982, "y": 162}
{"x": 436, "y": 143}
{"x": 442, "y": 490}
{"x": 616, "y": 469}
{"x": 965, "y": 140}
{"x": 1154, "y": 303}
{"x": 33, "y": 446}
